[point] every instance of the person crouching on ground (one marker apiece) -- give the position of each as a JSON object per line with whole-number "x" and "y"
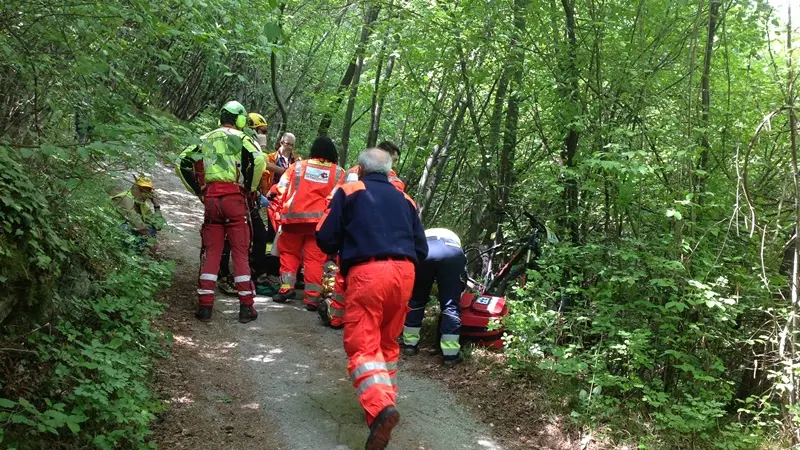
{"x": 378, "y": 235}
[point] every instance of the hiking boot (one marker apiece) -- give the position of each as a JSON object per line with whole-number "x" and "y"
{"x": 283, "y": 296}
{"x": 410, "y": 350}
{"x": 454, "y": 360}
{"x": 226, "y": 285}
{"x": 203, "y": 314}
{"x": 322, "y": 310}
{"x": 312, "y": 304}
{"x": 381, "y": 429}
{"x": 247, "y": 313}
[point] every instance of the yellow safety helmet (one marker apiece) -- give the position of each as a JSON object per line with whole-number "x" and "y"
{"x": 144, "y": 181}
{"x": 255, "y": 120}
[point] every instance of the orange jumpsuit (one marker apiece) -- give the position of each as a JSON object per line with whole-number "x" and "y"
{"x": 303, "y": 190}
{"x": 336, "y": 309}
{"x": 378, "y": 235}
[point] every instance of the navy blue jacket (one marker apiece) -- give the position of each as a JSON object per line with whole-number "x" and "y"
{"x": 371, "y": 219}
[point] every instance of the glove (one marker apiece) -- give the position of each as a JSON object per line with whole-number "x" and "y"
{"x": 263, "y": 201}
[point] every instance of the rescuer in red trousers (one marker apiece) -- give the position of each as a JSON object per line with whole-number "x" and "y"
{"x": 222, "y": 170}
{"x": 331, "y": 311}
{"x": 302, "y": 193}
{"x": 379, "y": 238}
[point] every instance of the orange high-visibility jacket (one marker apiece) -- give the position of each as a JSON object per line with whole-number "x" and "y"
{"x": 355, "y": 173}
{"x": 304, "y": 189}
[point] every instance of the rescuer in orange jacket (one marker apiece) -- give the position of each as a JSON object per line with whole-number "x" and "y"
{"x": 302, "y": 193}
{"x": 331, "y": 310}
{"x": 379, "y": 238}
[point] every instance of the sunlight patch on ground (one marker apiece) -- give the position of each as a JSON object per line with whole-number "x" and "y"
{"x": 487, "y": 444}
{"x": 261, "y": 358}
{"x": 184, "y": 340}
{"x": 182, "y": 400}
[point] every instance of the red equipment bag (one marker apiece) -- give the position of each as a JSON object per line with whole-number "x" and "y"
{"x": 476, "y": 314}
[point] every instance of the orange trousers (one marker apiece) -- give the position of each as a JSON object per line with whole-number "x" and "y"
{"x": 297, "y": 243}
{"x": 377, "y": 302}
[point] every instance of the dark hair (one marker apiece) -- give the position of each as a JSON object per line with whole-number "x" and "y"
{"x": 389, "y": 147}
{"x": 227, "y": 118}
{"x": 324, "y": 148}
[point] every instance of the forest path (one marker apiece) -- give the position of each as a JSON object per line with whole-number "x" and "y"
{"x": 279, "y": 382}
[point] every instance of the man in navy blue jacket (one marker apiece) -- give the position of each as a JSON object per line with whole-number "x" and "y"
{"x": 378, "y": 235}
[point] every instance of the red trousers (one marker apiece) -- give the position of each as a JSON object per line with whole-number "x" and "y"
{"x": 297, "y": 243}
{"x": 377, "y": 302}
{"x": 226, "y": 215}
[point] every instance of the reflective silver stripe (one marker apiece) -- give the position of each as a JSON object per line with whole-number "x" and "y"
{"x": 417, "y": 309}
{"x": 338, "y": 297}
{"x": 208, "y": 276}
{"x": 351, "y": 178}
{"x": 375, "y": 379}
{"x": 394, "y": 179}
{"x": 367, "y": 367}
{"x": 205, "y": 291}
{"x": 313, "y": 287}
{"x": 303, "y": 215}
{"x": 391, "y": 365}
{"x": 336, "y": 312}
{"x": 412, "y": 330}
{"x": 449, "y": 344}
{"x": 241, "y": 279}
{"x": 288, "y": 278}
{"x": 243, "y": 293}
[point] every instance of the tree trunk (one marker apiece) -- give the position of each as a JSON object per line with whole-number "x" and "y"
{"x": 507, "y": 175}
{"x": 439, "y": 157}
{"x": 327, "y": 117}
{"x": 369, "y": 18}
{"x": 705, "y": 100}
{"x": 273, "y": 78}
{"x": 569, "y": 88}
{"x": 377, "y": 110}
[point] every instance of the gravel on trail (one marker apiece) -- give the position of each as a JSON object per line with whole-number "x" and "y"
{"x": 279, "y": 382}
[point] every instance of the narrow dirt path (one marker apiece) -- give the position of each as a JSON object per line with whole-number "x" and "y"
{"x": 279, "y": 382}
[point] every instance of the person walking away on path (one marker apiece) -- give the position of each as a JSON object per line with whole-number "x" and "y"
{"x": 221, "y": 171}
{"x": 257, "y": 129}
{"x": 379, "y": 237}
{"x": 132, "y": 205}
{"x": 446, "y": 265}
{"x": 302, "y": 193}
{"x": 331, "y": 311}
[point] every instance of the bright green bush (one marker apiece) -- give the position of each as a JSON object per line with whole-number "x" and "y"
{"x": 82, "y": 340}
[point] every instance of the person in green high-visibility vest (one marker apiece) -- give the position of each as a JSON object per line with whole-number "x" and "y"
{"x": 223, "y": 170}
{"x": 132, "y": 205}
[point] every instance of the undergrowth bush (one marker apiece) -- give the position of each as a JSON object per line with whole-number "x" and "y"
{"x": 648, "y": 349}
{"x": 79, "y": 344}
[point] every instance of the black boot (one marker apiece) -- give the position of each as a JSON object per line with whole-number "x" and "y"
{"x": 381, "y": 429}
{"x": 450, "y": 361}
{"x": 247, "y": 313}
{"x": 410, "y": 350}
{"x": 203, "y": 314}
{"x": 312, "y": 303}
{"x": 322, "y": 309}
{"x": 283, "y": 296}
